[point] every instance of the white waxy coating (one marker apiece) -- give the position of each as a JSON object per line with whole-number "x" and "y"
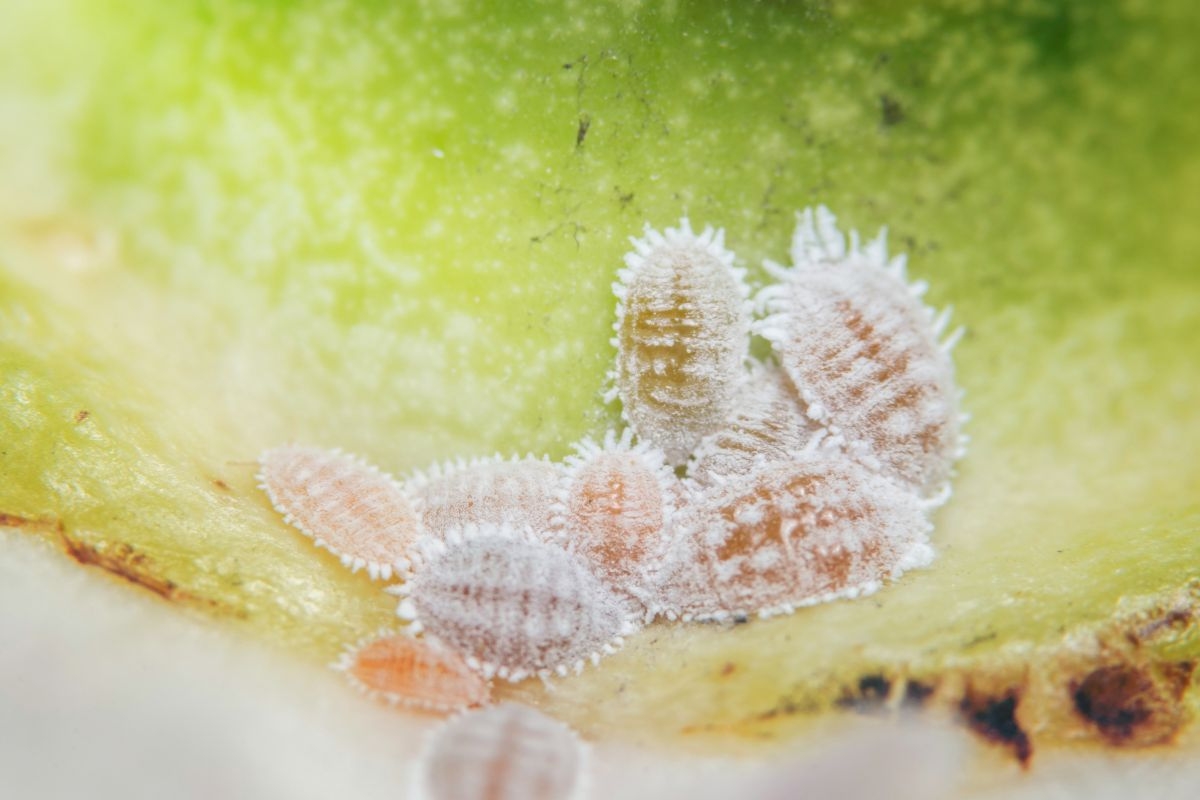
{"x": 768, "y": 425}
{"x": 816, "y": 528}
{"x": 863, "y": 351}
{"x": 513, "y": 605}
{"x": 682, "y": 337}
{"x": 616, "y": 507}
{"x": 506, "y": 752}
{"x": 518, "y": 492}
{"x": 350, "y": 508}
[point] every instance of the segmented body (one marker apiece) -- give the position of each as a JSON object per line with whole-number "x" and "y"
{"x": 615, "y": 509}
{"x": 417, "y": 673}
{"x": 348, "y": 507}
{"x": 507, "y": 752}
{"x": 767, "y": 425}
{"x": 863, "y": 351}
{"x": 518, "y": 492}
{"x": 794, "y": 533}
{"x": 681, "y": 337}
{"x": 514, "y": 606}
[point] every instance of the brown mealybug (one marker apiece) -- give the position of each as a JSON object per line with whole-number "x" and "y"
{"x": 350, "y": 508}
{"x": 682, "y": 337}
{"x": 864, "y": 352}
{"x": 815, "y": 528}
{"x": 506, "y": 752}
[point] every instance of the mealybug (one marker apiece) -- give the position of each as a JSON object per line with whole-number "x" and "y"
{"x": 350, "y": 508}
{"x": 768, "y": 425}
{"x": 418, "y": 673}
{"x": 511, "y": 604}
{"x": 798, "y": 532}
{"x": 506, "y": 752}
{"x": 864, "y": 352}
{"x": 615, "y": 508}
{"x": 518, "y": 492}
{"x": 682, "y": 337}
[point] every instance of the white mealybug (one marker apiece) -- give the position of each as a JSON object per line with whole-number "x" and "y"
{"x": 506, "y": 752}
{"x": 682, "y": 337}
{"x": 615, "y": 509}
{"x": 818, "y": 527}
{"x": 350, "y": 508}
{"x": 417, "y": 673}
{"x": 511, "y": 603}
{"x": 518, "y": 492}
{"x": 864, "y": 352}
{"x": 768, "y": 425}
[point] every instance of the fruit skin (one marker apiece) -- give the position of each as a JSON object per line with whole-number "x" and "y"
{"x": 240, "y": 231}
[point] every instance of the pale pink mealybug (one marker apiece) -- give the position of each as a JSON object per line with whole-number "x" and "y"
{"x": 682, "y": 337}
{"x": 512, "y": 604}
{"x": 348, "y": 507}
{"x": 818, "y": 527}
{"x": 506, "y": 752}
{"x": 519, "y": 492}
{"x": 864, "y": 352}
{"x": 768, "y": 425}
{"x": 416, "y": 673}
{"x": 615, "y": 509}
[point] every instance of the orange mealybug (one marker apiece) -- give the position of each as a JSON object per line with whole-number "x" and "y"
{"x": 417, "y": 673}
{"x": 350, "y": 508}
{"x": 615, "y": 508}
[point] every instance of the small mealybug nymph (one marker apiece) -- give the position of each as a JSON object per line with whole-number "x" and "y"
{"x": 506, "y": 752}
{"x": 415, "y": 673}
{"x": 348, "y": 507}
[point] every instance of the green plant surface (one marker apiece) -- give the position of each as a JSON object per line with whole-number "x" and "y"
{"x": 392, "y": 228}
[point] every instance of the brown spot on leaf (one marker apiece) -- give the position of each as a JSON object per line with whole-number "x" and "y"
{"x": 585, "y": 122}
{"x": 728, "y": 669}
{"x": 916, "y": 693}
{"x": 40, "y": 524}
{"x": 1134, "y": 705}
{"x": 220, "y": 484}
{"x": 994, "y": 717}
{"x": 869, "y": 695}
{"x": 123, "y": 561}
{"x": 81, "y": 415}
{"x": 891, "y": 112}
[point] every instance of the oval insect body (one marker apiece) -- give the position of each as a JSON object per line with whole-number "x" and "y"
{"x": 816, "y": 528}
{"x": 417, "y": 673}
{"x": 768, "y": 425}
{"x": 863, "y": 350}
{"x": 615, "y": 509}
{"x": 513, "y": 605}
{"x": 682, "y": 337}
{"x": 506, "y": 752}
{"x": 518, "y": 492}
{"x": 350, "y": 508}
